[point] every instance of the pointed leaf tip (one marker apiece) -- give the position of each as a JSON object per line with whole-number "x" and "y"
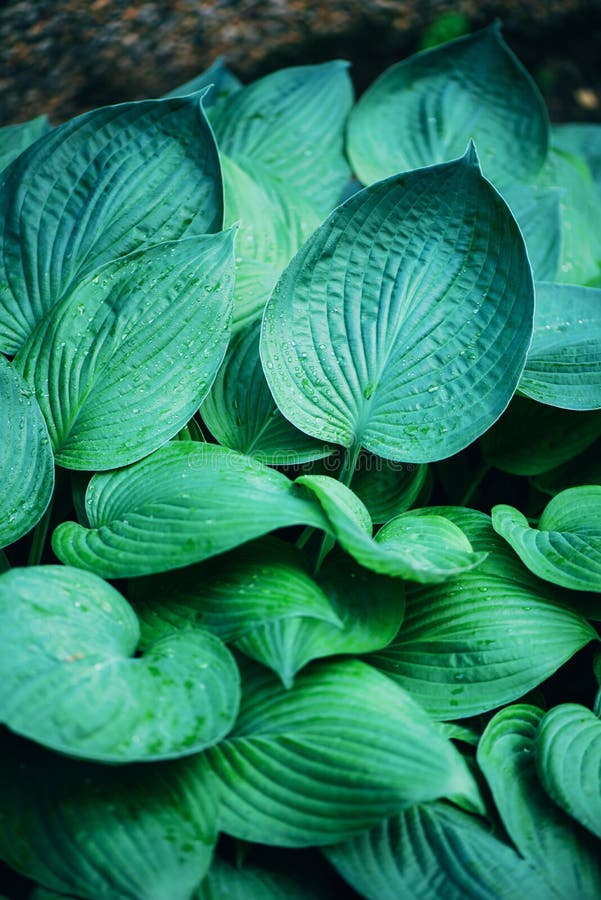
{"x": 470, "y": 157}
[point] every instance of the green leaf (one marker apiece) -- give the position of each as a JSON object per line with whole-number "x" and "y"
{"x": 122, "y": 362}
{"x": 288, "y": 127}
{"x": 531, "y": 438}
{"x": 398, "y": 325}
{"x": 425, "y": 109}
{"x": 581, "y": 139}
{"x": 184, "y": 503}
{"x": 568, "y": 761}
{"x": 69, "y": 680}
{"x": 139, "y": 832}
{"x": 387, "y": 488}
{"x": 565, "y": 549}
{"x": 241, "y": 413}
{"x": 434, "y": 851}
{"x": 585, "y": 468}
{"x": 329, "y": 758}
{"x": 538, "y": 212}
{"x": 563, "y": 367}
{"x": 565, "y": 856}
{"x": 144, "y": 172}
{"x": 255, "y": 584}
{"x": 14, "y": 139}
{"x": 368, "y": 607}
{"x": 26, "y": 463}
{"x": 248, "y": 883}
{"x": 217, "y": 77}
{"x": 483, "y": 638}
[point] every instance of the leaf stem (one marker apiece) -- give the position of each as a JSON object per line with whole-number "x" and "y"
{"x": 475, "y": 483}
{"x": 39, "y": 535}
{"x": 347, "y": 471}
{"x": 4, "y": 563}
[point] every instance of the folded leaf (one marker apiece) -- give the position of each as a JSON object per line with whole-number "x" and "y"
{"x": 568, "y": 762}
{"x": 145, "y": 173}
{"x": 329, "y": 758}
{"x": 565, "y": 855}
{"x": 140, "y": 832}
{"x": 566, "y": 547}
{"x": 425, "y": 109}
{"x": 16, "y": 138}
{"x": 184, "y": 503}
{"x": 397, "y": 326}
{"x": 123, "y": 361}
{"x": 483, "y": 638}
{"x": 68, "y": 678}
{"x": 26, "y": 463}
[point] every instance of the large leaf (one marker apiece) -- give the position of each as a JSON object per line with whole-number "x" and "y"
{"x": 403, "y": 323}
{"x": 581, "y": 139}
{"x": 538, "y": 212}
{"x": 144, "y": 172}
{"x": 289, "y": 127}
{"x": 568, "y": 761}
{"x": 425, "y": 109}
{"x": 249, "y": 882}
{"x": 184, "y": 503}
{"x": 26, "y": 463}
{"x": 68, "y": 679}
{"x": 241, "y": 413}
{"x": 482, "y": 638}
{"x": 564, "y": 855}
{"x": 435, "y": 851}
{"x": 140, "y": 832}
{"x": 123, "y": 361}
{"x": 566, "y": 547}
{"x": 564, "y": 361}
{"x": 327, "y": 759}
{"x": 16, "y": 138}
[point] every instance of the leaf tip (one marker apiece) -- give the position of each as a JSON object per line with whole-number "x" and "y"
{"x": 470, "y": 157}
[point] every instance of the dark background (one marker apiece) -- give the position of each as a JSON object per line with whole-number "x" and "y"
{"x": 66, "y": 56}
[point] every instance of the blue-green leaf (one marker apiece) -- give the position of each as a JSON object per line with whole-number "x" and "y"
{"x": 217, "y": 77}
{"x": 249, "y": 882}
{"x": 14, "y": 139}
{"x": 387, "y": 488}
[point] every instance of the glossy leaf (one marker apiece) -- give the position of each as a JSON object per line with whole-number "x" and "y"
{"x": 435, "y": 851}
{"x": 249, "y": 881}
{"x": 425, "y": 109}
{"x": 398, "y": 327}
{"x": 289, "y": 127}
{"x": 181, "y": 505}
{"x": 241, "y": 413}
{"x": 26, "y": 463}
{"x": 140, "y": 832}
{"x": 122, "y": 362}
{"x": 387, "y": 488}
{"x": 69, "y": 680}
{"x": 566, "y": 547}
{"x": 327, "y": 759}
{"x": 564, "y": 362}
{"x": 483, "y": 638}
{"x": 14, "y": 139}
{"x": 146, "y": 172}
{"x": 565, "y": 856}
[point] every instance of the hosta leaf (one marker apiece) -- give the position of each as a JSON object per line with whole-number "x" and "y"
{"x": 26, "y": 464}
{"x": 369, "y": 610}
{"x": 397, "y": 326}
{"x": 68, "y": 679}
{"x": 257, "y": 583}
{"x": 248, "y": 883}
{"x": 435, "y": 851}
{"x": 145, "y": 173}
{"x": 139, "y": 832}
{"x": 585, "y": 468}
{"x": 564, "y": 855}
{"x": 581, "y": 139}
{"x": 289, "y": 127}
{"x": 566, "y": 547}
{"x": 482, "y": 638}
{"x": 327, "y": 759}
{"x": 387, "y": 488}
{"x": 425, "y": 109}
{"x": 538, "y": 212}
{"x": 568, "y": 761}
{"x": 184, "y": 503}
{"x": 564, "y": 361}
{"x": 217, "y": 77}
{"x": 16, "y": 138}
{"x": 241, "y": 413}
{"x": 531, "y": 438}
{"x": 122, "y": 363}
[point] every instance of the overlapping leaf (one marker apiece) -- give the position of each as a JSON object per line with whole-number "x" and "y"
{"x": 327, "y": 759}
{"x": 141, "y": 832}
{"x": 248, "y": 881}
{"x": 16, "y": 138}
{"x": 26, "y": 463}
{"x": 538, "y": 212}
{"x": 217, "y": 77}
{"x": 145, "y": 173}
{"x": 566, "y": 547}
{"x": 387, "y": 488}
{"x": 425, "y": 109}
{"x": 68, "y": 679}
{"x": 584, "y": 468}
{"x": 482, "y": 638}
{"x": 122, "y": 362}
{"x": 581, "y": 139}
{"x": 397, "y": 327}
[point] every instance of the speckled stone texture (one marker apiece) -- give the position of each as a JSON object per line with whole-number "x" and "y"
{"x": 62, "y": 57}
